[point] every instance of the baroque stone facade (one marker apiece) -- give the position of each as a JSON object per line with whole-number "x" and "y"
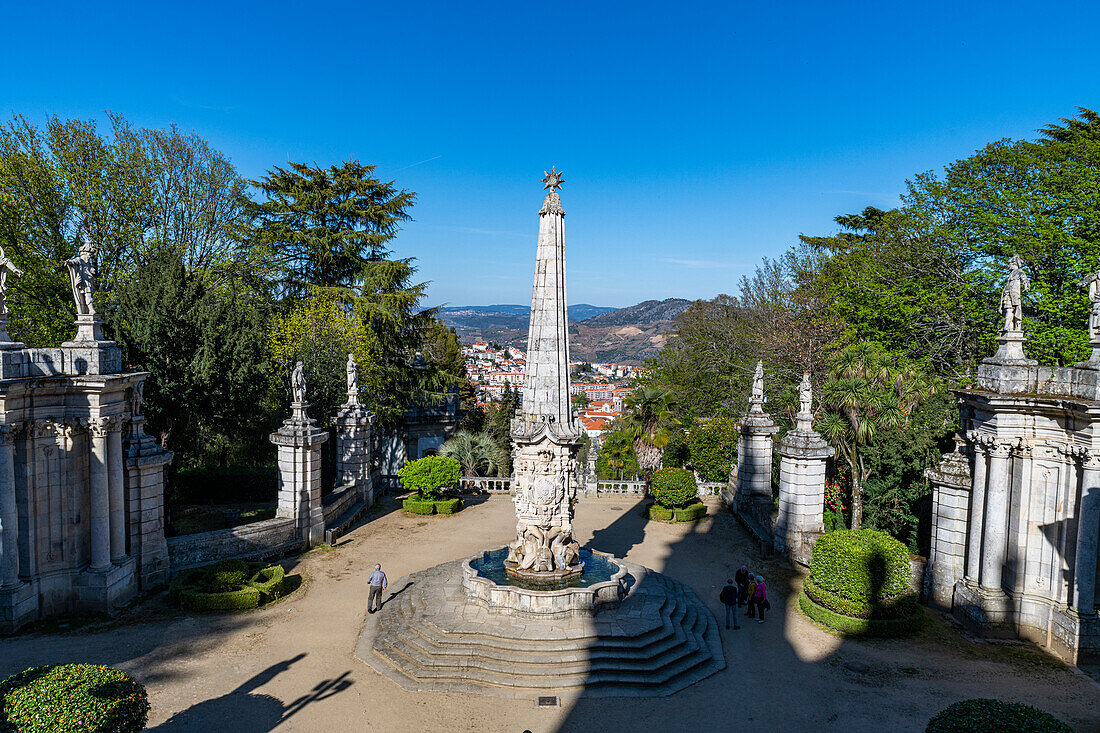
{"x": 545, "y": 438}
{"x": 1017, "y": 506}
{"x": 81, "y": 484}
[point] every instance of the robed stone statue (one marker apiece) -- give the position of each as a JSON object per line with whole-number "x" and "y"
{"x": 805, "y": 395}
{"x": 82, "y": 278}
{"x": 6, "y": 266}
{"x": 758, "y": 383}
{"x": 1012, "y": 304}
{"x": 353, "y": 376}
{"x": 298, "y": 384}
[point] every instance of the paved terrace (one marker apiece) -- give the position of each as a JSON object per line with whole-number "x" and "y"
{"x": 291, "y": 667}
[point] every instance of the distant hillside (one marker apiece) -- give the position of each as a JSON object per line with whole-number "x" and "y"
{"x": 650, "y": 311}
{"x": 624, "y": 335}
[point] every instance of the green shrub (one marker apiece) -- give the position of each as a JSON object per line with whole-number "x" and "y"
{"x": 226, "y": 575}
{"x": 236, "y": 600}
{"x": 901, "y": 607}
{"x": 659, "y": 513}
{"x": 72, "y": 698}
{"x": 851, "y": 626}
{"x": 691, "y": 513}
{"x": 417, "y": 506}
{"x": 861, "y": 565}
{"x": 270, "y": 582}
{"x": 673, "y": 487}
{"x": 994, "y": 716}
{"x": 428, "y": 476}
{"x": 713, "y": 448}
{"x": 448, "y": 506}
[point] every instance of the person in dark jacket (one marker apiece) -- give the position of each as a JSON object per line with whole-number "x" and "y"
{"x": 729, "y": 596}
{"x": 742, "y": 579}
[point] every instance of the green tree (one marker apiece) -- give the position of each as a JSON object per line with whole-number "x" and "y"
{"x": 616, "y": 460}
{"x": 322, "y": 227}
{"x": 712, "y": 447}
{"x": 479, "y": 454}
{"x": 868, "y": 391}
{"x": 580, "y": 400}
{"x": 648, "y": 420}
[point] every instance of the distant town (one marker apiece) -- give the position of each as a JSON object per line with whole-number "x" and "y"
{"x": 604, "y": 386}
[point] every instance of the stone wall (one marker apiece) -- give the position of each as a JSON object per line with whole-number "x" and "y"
{"x": 269, "y": 538}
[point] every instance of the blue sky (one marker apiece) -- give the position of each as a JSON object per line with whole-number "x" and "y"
{"x": 695, "y": 138}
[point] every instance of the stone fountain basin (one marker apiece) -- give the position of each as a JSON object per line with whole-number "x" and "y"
{"x": 564, "y": 602}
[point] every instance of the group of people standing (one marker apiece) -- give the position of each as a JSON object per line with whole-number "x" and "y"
{"x": 745, "y": 588}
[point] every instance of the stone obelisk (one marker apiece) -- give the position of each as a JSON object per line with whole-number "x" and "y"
{"x": 545, "y": 439}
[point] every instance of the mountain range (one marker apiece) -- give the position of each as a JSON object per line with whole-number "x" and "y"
{"x": 596, "y": 333}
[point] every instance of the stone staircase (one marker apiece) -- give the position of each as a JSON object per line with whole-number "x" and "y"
{"x": 660, "y": 640}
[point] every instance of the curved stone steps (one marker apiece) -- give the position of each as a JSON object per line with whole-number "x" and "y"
{"x": 661, "y": 639}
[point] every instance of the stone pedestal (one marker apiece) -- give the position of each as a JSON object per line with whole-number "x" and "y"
{"x": 18, "y": 606}
{"x": 951, "y": 487}
{"x": 299, "y": 442}
{"x": 89, "y": 352}
{"x": 144, "y": 465}
{"x": 754, "y": 464}
{"x": 801, "y": 490}
{"x": 353, "y": 449}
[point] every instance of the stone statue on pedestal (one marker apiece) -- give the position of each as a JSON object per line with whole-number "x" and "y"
{"x": 757, "y": 398}
{"x": 298, "y": 384}
{"x": 6, "y": 266}
{"x": 353, "y": 380}
{"x": 1012, "y": 305}
{"x": 1092, "y": 282}
{"x": 805, "y": 395}
{"x": 82, "y": 273}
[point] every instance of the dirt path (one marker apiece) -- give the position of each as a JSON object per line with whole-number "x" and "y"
{"x": 290, "y": 667}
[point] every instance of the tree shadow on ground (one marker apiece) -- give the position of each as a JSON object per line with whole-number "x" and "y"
{"x": 620, "y": 537}
{"x": 789, "y": 674}
{"x": 248, "y": 711}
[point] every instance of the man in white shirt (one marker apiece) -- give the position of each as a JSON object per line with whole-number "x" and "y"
{"x": 377, "y": 583}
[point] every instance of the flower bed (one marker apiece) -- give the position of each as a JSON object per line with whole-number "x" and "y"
{"x": 229, "y": 585}
{"x": 72, "y": 698}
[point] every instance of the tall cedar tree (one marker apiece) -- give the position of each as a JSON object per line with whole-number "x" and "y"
{"x": 322, "y": 226}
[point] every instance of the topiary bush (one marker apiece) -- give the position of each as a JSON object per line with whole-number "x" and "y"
{"x": 859, "y": 584}
{"x": 412, "y": 505}
{"x": 861, "y": 565}
{"x": 228, "y": 585}
{"x": 673, "y": 487}
{"x": 659, "y": 513}
{"x": 448, "y": 506}
{"x": 994, "y": 716}
{"x": 691, "y": 512}
{"x": 428, "y": 476}
{"x": 72, "y": 698}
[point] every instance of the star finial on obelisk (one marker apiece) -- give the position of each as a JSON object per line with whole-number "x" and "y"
{"x": 553, "y": 179}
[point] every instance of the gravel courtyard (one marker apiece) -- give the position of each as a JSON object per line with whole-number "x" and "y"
{"x": 291, "y": 667}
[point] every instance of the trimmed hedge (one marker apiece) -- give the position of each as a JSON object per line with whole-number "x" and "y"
{"x": 851, "y": 626}
{"x": 448, "y": 506}
{"x": 209, "y": 588}
{"x": 900, "y": 607}
{"x": 691, "y": 513}
{"x": 72, "y": 698}
{"x": 994, "y": 716}
{"x": 659, "y": 513}
{"x": 673, "y": 487}
{"x": 861, "y": 565}
{"x": 414, "y": 505}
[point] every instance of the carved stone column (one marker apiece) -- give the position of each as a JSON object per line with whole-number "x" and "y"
{"x": 801, "y": 490}
{"x": 977, "y": 509}
{"x": 995, "y": 522}
{"x": 1088, "y": 536}
{"x": 99, "y": 480}
{"x": 117, "y": 490}
{"x": 951, "y": 489}
{"x": 9, "y": 512}
{"x": 299, "y": 442}
{"x": 353, "y": 449}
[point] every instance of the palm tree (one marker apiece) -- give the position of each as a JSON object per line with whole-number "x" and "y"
{"x": 478, "y": 454}
{"x": 649, "y": 422}
{"x": 867, "y": 391}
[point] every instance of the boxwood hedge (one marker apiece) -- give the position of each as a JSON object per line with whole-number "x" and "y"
{"x": 861, "y": 565}
{"x": 72, "y": 698}
{"x": 415, "y": 505}
{"x": 673, "y": 487}
{"x": 852, "y": 626}
{"x": 691, "y": 512}
{"x": 448, "y": 506}
{"x": 659, "y": 513}
{"x": 228, "y": 585}
{"x": 994, "y": 716}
